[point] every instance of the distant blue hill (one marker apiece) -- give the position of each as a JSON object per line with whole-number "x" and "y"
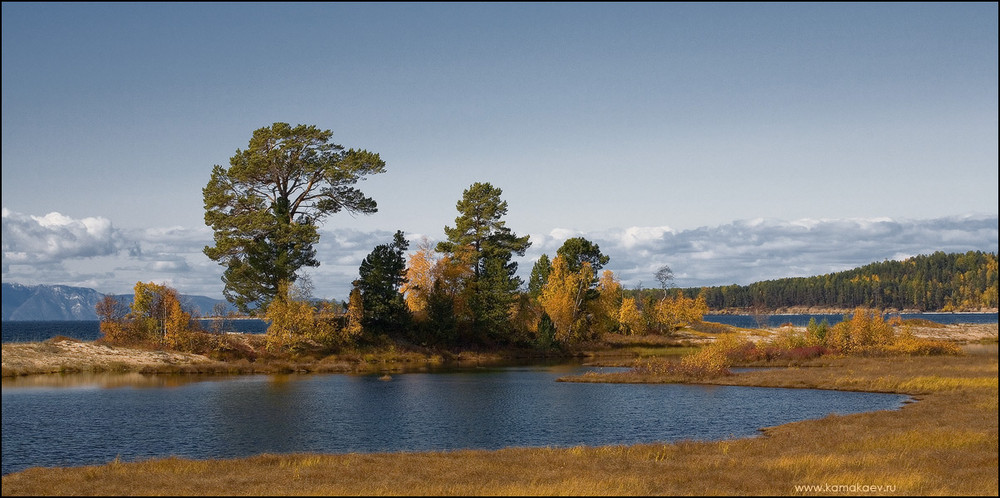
{"x": 63, "y": 302}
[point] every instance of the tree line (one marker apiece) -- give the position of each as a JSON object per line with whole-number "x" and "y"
{"x": 266, "y": 207}
{"x": 464, "y": 291}
{"x": 935, "y": 282}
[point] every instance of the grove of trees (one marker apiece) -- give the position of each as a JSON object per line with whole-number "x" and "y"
{"x": 464, "y": 291}
{"x": 154, "y": 318}
{"x": 265, "y": 210}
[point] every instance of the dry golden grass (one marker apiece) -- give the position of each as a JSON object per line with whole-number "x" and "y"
{"x": 944, "y": 444}
{"x": 70, "y": 356}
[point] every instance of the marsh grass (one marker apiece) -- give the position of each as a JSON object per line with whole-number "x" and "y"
{"x": 69, "y": 357}
{"x": 943, "y": 444}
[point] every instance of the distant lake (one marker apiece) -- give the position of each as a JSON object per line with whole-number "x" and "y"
{"x": 801, "y": 320}
{"x": 78, "y": 420}
{"x": 89, "y": 330}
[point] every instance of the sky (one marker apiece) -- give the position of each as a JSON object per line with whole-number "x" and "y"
{"x": 731, "y": 142}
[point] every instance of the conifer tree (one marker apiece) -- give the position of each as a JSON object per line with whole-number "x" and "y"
{"x": 266, "y": 207}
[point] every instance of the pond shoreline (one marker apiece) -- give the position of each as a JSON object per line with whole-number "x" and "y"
{"x": 69, "y": 356}
{"x": 61, "y": 355}
{"x": 907, "y": 451}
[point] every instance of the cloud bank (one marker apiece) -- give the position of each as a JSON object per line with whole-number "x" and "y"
{"x": 747, "y": 251}
{"x": 92, "y": 252}
{"x": 54, "y": 237}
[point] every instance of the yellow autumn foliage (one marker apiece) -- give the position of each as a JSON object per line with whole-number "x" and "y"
{"x": 297, "y": 325}
{"x": 421, "y": 271}
{"x": 607, "y": 306}
{"x": 155, "y": 318}
{"x": 630, "y": 317}
{"x": 677, "y": 312}
{"x": 562, "y": 299}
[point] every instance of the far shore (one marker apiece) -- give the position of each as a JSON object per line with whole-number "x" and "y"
{"x": 805, "y": 310}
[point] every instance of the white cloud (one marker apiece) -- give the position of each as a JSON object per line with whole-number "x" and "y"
{"x": 54, "y": 237}
{"x": 55, "y": 249}
{"x": 178, "y": 265}
{"x": 746, "y": 251}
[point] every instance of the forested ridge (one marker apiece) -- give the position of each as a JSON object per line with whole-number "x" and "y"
{"x": 935, "y": 282}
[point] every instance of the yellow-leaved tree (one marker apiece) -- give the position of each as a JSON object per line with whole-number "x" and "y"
{"x": 355, "y": 314}
{"x": 562, "y": 300}
{"x": 865, "y": 333}
{"x": 630, "y": 317}
{"x": 298, "y": 325}
{"x": 676, "y": 312}
{"x": 115, "y": 327}
{"x": 607, "y": 306}
{"x": 156, "y": 318}
{"x": 421, "y": 272}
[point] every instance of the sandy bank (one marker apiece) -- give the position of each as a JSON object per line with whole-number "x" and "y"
{"x": 56, "y": 356}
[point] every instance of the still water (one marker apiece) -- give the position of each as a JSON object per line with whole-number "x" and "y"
{"x": 90, "y": 330}
{"x": 94, "y": 420}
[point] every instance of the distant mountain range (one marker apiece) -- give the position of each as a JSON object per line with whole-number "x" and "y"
{"x": 62, "y": 302}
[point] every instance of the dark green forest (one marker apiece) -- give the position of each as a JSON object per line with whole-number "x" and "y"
{"x": 935, "y": 282}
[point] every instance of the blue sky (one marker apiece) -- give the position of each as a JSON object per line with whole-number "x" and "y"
{"x": 733, "y": 142}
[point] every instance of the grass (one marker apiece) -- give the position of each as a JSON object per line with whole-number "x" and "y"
{"x": 68, "y": 356}
{"x": 943, "y": 444}
{"x": 246, "y": 354}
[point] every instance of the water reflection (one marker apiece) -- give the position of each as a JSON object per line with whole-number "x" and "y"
{"x": 104, "y": 380}
{"x": 224, "y": 417}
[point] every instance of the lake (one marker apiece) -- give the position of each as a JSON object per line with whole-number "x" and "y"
{"x": 83, "y": 420}
{"x": 89, "y": 330}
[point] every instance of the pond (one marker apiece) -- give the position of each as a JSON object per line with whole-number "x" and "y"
{"x": 89, "y": 421}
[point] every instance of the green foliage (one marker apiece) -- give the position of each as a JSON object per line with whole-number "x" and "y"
{"x": 546, "y": 333}
{"x": 539, "y": 275}
{"x": 818, "y": 331}
{"x": 266, "y": 207}
{"x": 936, "y": 282}
{"x": 382, "y": 274}
{"x": 578, "y": 250}
{"x": 495, "y": 293}
{"x": 481, "y": 240}
{"x": 480, "y": 225}
{"x": 442, "y": 324}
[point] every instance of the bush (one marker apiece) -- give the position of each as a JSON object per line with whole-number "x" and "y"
{"x": 710, "y": 361}
{"x": 788, "y": 337}
{"x": 866, "y": 333}
{"x": 906, "y": 343}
